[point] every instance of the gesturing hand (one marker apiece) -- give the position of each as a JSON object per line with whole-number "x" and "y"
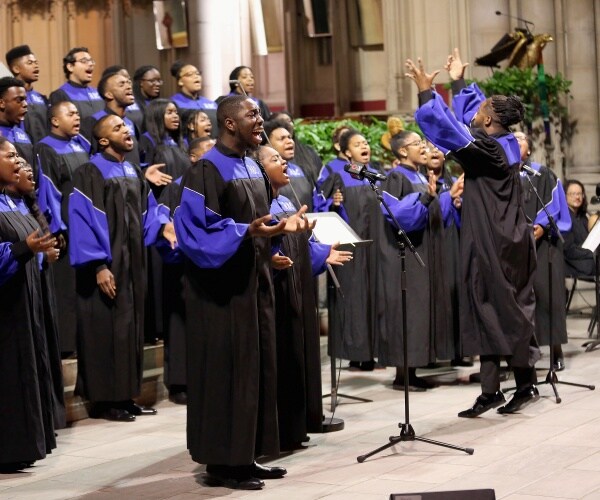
{"x": 338, "y": 257}
{"x": 298, "y": 223}
{"x": 40, "y": 244}
{"x": 258, "y": 227}
{"x": 106, "y": 282}
{"x": 455, "y": 66}
{"x": 458, "y": 187}
{"x": 156, "y": 177}
{"x": 417, "y": 73}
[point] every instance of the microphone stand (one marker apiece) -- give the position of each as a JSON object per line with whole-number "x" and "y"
{"x": 551, "y": 229}
{"x": 407, "y": 432}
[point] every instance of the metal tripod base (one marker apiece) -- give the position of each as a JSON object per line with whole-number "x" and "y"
{"x": 590, "y": 345}
{"x": 407, "y": 433}
{"x": 552, "y": 380}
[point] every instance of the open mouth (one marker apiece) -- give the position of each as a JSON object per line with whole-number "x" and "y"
{"x": 257, "y": 133}
{"x": 128, "y": 140}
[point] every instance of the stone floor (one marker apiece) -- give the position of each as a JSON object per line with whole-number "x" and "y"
{"x": 549, "y": 451}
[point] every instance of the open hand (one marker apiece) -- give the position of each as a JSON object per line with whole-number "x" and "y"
{"x": 156, "y": 177}
{"x": 298, "y": 223}
{"x": 259, "y": 227}
{"x": 458, "y": 187}
{"x": 455, "y": 66}
{"x": 338, "y": 257}
{"x": 417, "y": 73}
{"x": 432, "y": 184}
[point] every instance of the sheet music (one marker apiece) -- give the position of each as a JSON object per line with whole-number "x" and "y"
{"x": 331, "y": 228}
{"x": 593, "y": 239}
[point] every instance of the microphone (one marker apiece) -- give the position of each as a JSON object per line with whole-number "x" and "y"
{"x": 524, "y": 21}
{"x": 530, "y": 170}
{"x": 361, "y": 172}
{"x": 235, "y": 82}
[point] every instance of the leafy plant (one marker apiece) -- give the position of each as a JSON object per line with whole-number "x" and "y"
{"x": 318, "y": 134}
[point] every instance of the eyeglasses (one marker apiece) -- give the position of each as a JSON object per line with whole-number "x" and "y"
{"x": 191, "y": 73}
{"x": 416, "y": 143}
{"x": 573, "y": 195}
{"x": 85, "y": 60}
{"x": 153, "y": 81}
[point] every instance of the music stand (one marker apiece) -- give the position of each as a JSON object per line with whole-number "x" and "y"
{"x": 591, "y": 243}
{"x": 330, "y": 229}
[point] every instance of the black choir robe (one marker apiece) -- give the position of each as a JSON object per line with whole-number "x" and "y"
{"x": 351, "y": 317}
{"x": 302, "y": 184}
{"x": 428, "y": 323}
{"x": 36, "y": 119}
{"x": 176, "y": 163}
{"x": 310, "y": 160}
{"x": 552, "y": 193}
{"x": 299, "y": 397}
{"x": 111, "y": 218}
{"x": 26, "y": 418}
{"x": 232, "y": 375}
{"x": 58, "y": 159}
{"x": 497, "y": 302}
{"x": 173, "y": 300}
{"x": 86, "y": 98}
{"x": 50, "y": 326}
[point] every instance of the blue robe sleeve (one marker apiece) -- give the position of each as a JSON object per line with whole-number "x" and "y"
{"x": 318, "y": 256}
{"x": 9, "y": 264}
{"x": 204, "y": 236}
{"x": 49, "y": 200}
{"x": 440, "y": 126}
{"x": 466, "y": 103}
{"x": 558, "y": 209}
{"x": 154, "y": 218}
{"x": 88, "y": 225}
{"x": 406, "y": 206}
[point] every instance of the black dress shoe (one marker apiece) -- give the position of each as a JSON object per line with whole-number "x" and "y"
{"x": 250, "y": 483}
{"x": 114, "y": 414}
{"x": 559, "y": 365}
{"x": 483, "y": 403}
{"x": 136, "y": 409}
{"x": 354, "y": 366}
{"x": 264, "y": 472}
{"x": 12, "y": 467}
{"x": 520, "y": 400}
{"x": 179, "y": 398}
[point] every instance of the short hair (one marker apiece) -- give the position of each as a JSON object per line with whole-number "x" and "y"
{"x": 234, "y": 75}
{"x": 272, "y": 125}
{"x": 338, "y": 132}
{"x": 138, "y": 76}
{"x": 8, "y": 82}
{"x": 397, "y": 141}
{"x": 70, "y": 59}
{"x": 3, "y": 141}
{"x": 16, "y": 53}
{"x": 508, "y": 109}
{"x": 53, "y": 109}
{"x": 111, "y": 70}
{"x": 99, "y": 126}
{"x": 103, "y": 83}
{"x": 228, "y": 108}
{"x": 194, "y": 143}
{"x": 346, "y": 137}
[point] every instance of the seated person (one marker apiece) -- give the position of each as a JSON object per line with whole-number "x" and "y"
{"x": 578, "y": 261}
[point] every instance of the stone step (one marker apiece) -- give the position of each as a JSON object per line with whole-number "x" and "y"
{"x": 153, "y": 389}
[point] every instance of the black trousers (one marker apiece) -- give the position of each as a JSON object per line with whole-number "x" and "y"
{"x": 490, "y": 374}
